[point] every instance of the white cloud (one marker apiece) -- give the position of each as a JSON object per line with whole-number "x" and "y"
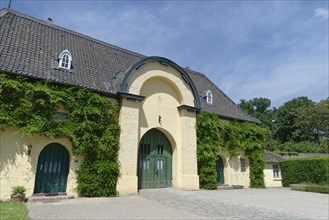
{"x": 321, "y": 12}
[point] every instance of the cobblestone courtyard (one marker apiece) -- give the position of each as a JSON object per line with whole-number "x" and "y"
{"x": 168, "y": 203}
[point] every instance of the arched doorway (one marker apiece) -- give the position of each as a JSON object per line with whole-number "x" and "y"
{"x": 220, "y": 170}
{"x": 154, "y": 161}
{"x": 52, "y": 169}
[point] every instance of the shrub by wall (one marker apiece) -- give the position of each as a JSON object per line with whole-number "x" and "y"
{"x": 305, "y": 170}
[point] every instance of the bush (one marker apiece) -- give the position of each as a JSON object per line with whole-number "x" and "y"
{"x": 98, "y": 178}
{"x": 300, "y": 170}
{"x": 18, "y": 191}
{"x": 310, "y": 188}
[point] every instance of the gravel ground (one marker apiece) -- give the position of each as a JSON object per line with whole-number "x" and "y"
{"x": 169, "y": 203}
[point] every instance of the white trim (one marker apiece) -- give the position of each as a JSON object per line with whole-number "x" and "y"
{"x": 61, "y": 57}
{"x": 209, "y": 97}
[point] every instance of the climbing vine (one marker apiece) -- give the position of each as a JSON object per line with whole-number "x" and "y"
{"x": 213, "y": 136}
{"x": 92, "y": 125}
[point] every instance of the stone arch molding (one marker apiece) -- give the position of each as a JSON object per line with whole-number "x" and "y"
{"x": 159, "y": 67}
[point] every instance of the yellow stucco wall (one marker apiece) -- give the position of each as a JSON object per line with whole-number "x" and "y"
{"x": 270, "y": 181}
{"x": 232, "y": 169}
{"x": 164, "y": 90}
{"x": 19, "y": 168}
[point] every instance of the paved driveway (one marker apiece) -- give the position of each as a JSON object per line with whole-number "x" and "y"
{"x": 274, "y": 203}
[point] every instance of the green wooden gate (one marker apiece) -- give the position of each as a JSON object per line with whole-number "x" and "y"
{"x": 220, "y": 170}
{"x": 154, "y": 161}
{"x": 52, "y": 169}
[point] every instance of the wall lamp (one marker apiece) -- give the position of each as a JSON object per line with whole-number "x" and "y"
{"x": 160, "y": 122}
{"x": 29, "y": 149}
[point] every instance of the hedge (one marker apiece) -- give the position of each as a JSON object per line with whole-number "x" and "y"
{"x": 305, "y": 170}
{"x": 311, "y": 188}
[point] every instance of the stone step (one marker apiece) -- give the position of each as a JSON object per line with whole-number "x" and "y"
{"x": 224, "y": 187}
{"x": 228, "y": 187}
{"x": 48, "y": 198}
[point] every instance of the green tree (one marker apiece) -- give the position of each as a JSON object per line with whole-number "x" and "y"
{"x": 286, "y": 118}
{"x": 260, "y": 109}
{"x": 312, "y": 122}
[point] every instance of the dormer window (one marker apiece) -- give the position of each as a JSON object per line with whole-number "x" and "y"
{"x": 208, "y": 96}
{"x": 65, "y": 60}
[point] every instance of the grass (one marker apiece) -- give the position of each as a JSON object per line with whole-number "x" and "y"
{"x": 311, "y": 188}
{"x": 13, "y": 211}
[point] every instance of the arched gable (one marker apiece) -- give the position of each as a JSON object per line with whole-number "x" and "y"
{"x": 124, "y": 85}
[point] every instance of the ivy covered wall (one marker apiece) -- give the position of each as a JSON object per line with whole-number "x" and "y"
{"x": 92, "y": 125}
{"x": 213, "y": 135}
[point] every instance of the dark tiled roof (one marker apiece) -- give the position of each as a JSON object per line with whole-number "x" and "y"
{"x": 31, "y": 47}
{"x": 271, "y": 157}
{"x": 222, "y": 104}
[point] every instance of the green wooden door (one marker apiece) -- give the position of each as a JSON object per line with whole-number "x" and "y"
{"x": 154, "y": 161}
{"x": 220, "y": 170}
{"x": 52, "y": 169}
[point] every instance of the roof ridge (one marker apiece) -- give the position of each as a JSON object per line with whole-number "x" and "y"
{"x": 37, "y": 20}
{"x": 273, "y": 154}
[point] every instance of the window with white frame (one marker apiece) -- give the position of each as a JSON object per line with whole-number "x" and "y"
{"x": 65, "y": 60}
{"x": 243, "y": 165}
{"x": 276, "y": 172}
{"x": 209, "y": 97}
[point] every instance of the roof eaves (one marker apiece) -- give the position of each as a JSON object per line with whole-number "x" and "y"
{"x": 40, "y": 78}
{"x": 256, "y": 121}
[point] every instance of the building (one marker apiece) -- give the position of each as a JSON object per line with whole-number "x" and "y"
{"x": 272, "y": 171}
{"x": 158, "y": 100}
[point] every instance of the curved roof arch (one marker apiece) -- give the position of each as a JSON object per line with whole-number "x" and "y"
{"x": 124, "y": 83}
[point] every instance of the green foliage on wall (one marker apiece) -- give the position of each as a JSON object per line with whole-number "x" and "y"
{"x": 92, "y": 125}
{"x": 305, "y": 170}
{"x": 213, "y": 136}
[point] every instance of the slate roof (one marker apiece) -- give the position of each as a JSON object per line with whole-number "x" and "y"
{"x": 271, "y": 157}
{"x": 30, "y": 47}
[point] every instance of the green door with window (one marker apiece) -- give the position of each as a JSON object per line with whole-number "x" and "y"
{"x": 220, "y": 170}
{"x": 52, "y": 169}
{"x": 154, "y": 161}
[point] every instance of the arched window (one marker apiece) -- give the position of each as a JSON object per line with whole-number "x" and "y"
{"x": 209, "y": 97}
{"x": 65, "y": 60}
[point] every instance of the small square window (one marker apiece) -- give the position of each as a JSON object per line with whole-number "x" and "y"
{"x": 59, "y": 116}
{"x": 243, "y": 164}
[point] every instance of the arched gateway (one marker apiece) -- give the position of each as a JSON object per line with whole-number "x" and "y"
{"x": 157, "y": 96}
{"x": 154, "y": 161}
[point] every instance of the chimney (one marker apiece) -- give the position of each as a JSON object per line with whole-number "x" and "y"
{"x": 50, "y": 21}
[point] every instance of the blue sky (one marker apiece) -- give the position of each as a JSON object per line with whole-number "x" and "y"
{"x": 272, "y": 49}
